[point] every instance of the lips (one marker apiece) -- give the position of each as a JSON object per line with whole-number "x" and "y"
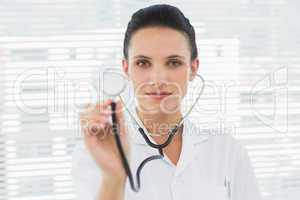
{"x": 158, "y": 95}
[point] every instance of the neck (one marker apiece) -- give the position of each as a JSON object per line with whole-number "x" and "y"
{"x": 159, "y": 123}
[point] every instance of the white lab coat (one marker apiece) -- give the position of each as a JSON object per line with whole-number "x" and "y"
{"x": 210, "y": 167}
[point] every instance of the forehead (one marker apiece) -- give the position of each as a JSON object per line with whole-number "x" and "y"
{"x": 158, "y": 41}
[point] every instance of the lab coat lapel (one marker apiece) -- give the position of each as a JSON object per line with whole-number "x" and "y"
{"x": 190, "y": 139}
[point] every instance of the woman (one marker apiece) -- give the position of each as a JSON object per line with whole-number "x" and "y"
{"x": 160, "y": 58}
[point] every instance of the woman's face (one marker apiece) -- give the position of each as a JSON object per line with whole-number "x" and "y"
{"x": 159, "y": 65}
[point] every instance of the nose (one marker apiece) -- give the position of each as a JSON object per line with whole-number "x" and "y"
{"x": 158, "y": 77}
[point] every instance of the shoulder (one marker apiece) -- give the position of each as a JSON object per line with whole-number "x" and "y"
{"x": 218, "y": 144}
{"x": 214, "y": 134}
{"x": 83, "y": 163}
{"x": 86, "y": 175}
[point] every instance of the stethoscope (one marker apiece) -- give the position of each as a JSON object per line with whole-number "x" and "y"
{"x": 159, "y": 147}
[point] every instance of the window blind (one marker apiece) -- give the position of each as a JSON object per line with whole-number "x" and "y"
{"x": 249, "y": 57}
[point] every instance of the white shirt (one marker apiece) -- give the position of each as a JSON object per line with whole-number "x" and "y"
{"x": 210, "y": 167}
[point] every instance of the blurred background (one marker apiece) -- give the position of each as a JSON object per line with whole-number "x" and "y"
{"x": 250, "y": 58}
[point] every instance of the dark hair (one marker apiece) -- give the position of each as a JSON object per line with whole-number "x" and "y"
{"x": 160, "y": 15}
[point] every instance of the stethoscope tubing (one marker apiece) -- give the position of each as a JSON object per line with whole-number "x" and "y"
{"x": 160, "y": 147}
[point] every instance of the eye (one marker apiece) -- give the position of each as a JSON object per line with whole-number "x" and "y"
{"x": 142, "y": 63}
{"x": 174, "y": 63}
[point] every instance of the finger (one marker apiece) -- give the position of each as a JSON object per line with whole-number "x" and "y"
{"x": 91, "y": 141}
{"x": 88, "y": 105}
{"x": 99, "y": 107}
{"x": 93, "y": 128}
{"x": 105, "y": 114}
{"x": 119, "y": 107}
{"x": 95, "y": 116}
{"x": 97, "y": 133}
{"x": 92, "y": 118}
{"x": 96, "y": 128}
{"x": 119, "y": 110}
{"x": 120, "y": 117}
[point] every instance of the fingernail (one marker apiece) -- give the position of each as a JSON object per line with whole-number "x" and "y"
{"x": 107, "y": 111}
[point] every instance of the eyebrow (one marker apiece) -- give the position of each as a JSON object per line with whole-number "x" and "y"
{"x": 175, "y": 56}
{"x": 142, "y": 56}
{"x": 171, "y": 56}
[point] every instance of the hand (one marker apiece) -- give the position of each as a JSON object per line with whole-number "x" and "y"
{"x": 99, "y": 138}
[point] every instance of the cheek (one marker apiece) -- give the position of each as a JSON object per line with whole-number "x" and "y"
{"x": 180, "y": 79}
{"x": 139, "y": 84}
{"x": 138, "y": 79}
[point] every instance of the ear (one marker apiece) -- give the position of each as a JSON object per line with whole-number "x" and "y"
{"x": 194, "y": 68}
{"x": 125, "y": 66}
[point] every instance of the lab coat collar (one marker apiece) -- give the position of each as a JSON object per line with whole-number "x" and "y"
{"x": 192, "y": 134}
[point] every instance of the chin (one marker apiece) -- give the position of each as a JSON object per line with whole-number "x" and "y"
{"x": 154, "y": 107}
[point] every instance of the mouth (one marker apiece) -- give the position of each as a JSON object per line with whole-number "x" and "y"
{"x": 158, "y": 95}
